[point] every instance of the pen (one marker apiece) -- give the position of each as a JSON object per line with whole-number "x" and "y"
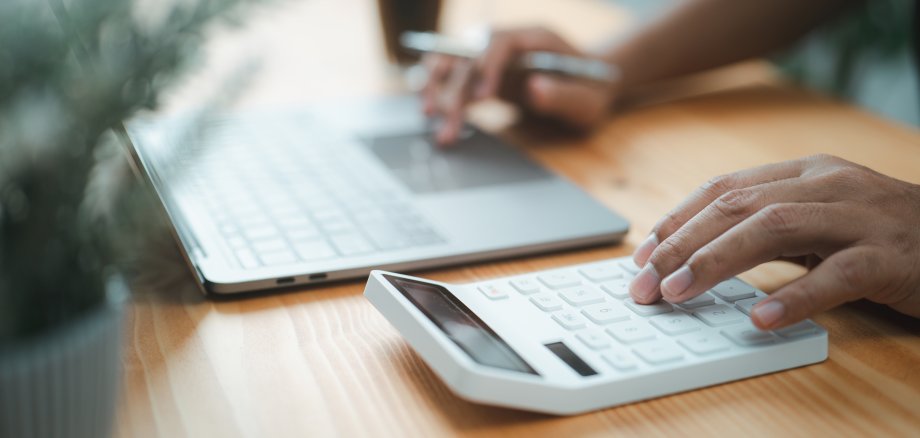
{"x": 575, "y": 67}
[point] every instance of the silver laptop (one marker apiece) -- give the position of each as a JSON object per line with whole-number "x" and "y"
{"x": 271, "y": 199}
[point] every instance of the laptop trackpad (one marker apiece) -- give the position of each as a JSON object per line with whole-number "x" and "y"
{"x": 478, "y": 160}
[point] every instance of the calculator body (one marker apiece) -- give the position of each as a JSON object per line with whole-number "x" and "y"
{"x": 495, "y": 344}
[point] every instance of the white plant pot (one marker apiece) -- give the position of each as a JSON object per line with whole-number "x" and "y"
{"x": 64, "y": 382}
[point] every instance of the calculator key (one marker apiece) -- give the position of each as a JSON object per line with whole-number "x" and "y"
{"x": 659, "y": 352}
{"x": 703, "y": 299}
{"x": 602, "y": 272}
{"x": 719, "y": 314}
{"x": 747, "y": 334}
{"x": 582, "y": 295}
{"x": 526, "y": 286}
{"x": 546, "y": 301}
{"x": 746, "y": 304}
{"x": 618, "y": 289}
{"x": 649, "y": 309}
{"x": 733, "y": 290}
{"x": 620, "y": 360}
{"x": 570, "y": 319}
{"x": 675, "y": 323}
{"x": 704, "y": 343}
{"x": 630, "y": 332}
{"x": 629, "y": 266}
{"x": 605, "y": 313}
{"x": 493, "y": 292}
{"x": 800, "y": 329}
{"x": 594, "y": 339}
{"x": 559, "y": 280}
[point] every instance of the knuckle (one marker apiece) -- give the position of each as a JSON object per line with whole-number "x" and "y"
{"x": 855, "y": 271}
{"x": 824, "y": 158}
{"x": 667, "y": 225}
{"x": 668, "y": 252}
{"x": 781, "y": 219}
{"x": 848, "y": 271}
{"x": 847, "y": 176}
{"x": 708, "y": 260}
{"x": 736, "y": 203}
{"x": 800, "y": 303}
{"x": 718, "y": 185}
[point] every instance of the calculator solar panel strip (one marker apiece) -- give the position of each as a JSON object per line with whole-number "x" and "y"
{"x": 492, "y": 343}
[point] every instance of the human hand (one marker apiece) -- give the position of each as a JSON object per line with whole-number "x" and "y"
{"x": 857, "y": 230}
{"x": 454, "y": 82}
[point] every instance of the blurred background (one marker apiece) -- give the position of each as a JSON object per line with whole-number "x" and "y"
{"x": 320, "y": 49}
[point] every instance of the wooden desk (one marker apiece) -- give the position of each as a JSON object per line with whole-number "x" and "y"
{"x": 323, "y": 362}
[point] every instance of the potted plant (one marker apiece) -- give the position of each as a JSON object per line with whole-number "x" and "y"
{"x": 70, "y": 73}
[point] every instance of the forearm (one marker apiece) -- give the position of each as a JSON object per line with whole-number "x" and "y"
{"x": 704, "y": 34}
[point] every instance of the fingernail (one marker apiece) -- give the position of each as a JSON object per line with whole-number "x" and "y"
{"x": 644, "y": 251}
{"x": 769, "y": 313}
{"x": 645, "y": 283}
{"x": 678, "y": 282}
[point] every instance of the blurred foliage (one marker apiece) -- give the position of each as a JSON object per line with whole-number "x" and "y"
{"x": 878, "y": 29}
{"x": 70, "y": 72}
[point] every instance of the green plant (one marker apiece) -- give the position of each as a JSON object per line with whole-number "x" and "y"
{"x": 70, "y": 72}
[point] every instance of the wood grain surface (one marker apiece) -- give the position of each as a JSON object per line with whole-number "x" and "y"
{"x": 322, "y": 362}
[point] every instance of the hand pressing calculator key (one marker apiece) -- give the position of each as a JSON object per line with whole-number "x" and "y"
{"x": 570, "y": 340}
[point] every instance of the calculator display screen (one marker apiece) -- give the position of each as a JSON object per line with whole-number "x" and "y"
{"x": 461, "y": 325}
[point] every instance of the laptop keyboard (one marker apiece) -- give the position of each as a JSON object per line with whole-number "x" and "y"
{"x": 279, "y": 200}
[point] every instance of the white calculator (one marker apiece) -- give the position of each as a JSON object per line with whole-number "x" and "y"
{"x": 570, "y": 340}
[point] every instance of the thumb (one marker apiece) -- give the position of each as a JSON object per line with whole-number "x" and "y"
{"x": 578, "y": 103}
{"x": 845, "y": 276}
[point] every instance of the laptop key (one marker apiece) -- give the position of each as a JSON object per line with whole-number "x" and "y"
{"x": 351, "y": 244}
{"x": 314, "y": 250}
{"x": 269, "y": 245}
{"x": 303, "y": 233}
{"x": 278, "y": 258}
{"x": 246, "y": 258}
{"x": 260, "y": 232}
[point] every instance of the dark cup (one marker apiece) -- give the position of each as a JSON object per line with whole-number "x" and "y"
{"x": 398, "y": 16}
